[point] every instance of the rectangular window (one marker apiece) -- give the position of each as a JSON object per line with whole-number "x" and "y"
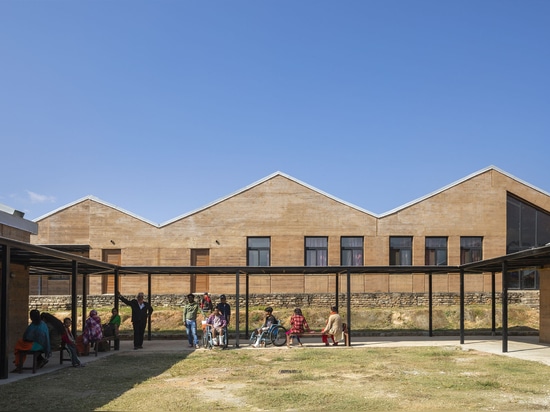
{"x": 400, "y": 250}
{"x": 316, "y": 251}
{"x": 523, "y": 279}
{"x": 436, "y": 251}
{"x": 351, "y": 249}
{"x": 258, "y": 251}
{"x": 471, "y": 249}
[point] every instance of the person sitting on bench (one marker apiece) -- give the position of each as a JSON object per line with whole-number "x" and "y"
{"x": 92, "y": 333}
{"x": 333, "y": 328}
{"x": 36, "y": 338}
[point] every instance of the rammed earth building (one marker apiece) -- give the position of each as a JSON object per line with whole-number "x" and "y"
{"x": 280, "y": 221}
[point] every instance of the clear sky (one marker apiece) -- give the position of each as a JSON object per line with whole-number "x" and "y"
{"x": 161, "y": 107}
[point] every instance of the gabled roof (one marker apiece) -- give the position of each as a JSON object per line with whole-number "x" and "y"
{"x": 273, "y": 175}
{"x": 97, "y": 200}
{"x": 259, "y": 182}
{"x": 458, "y": 182}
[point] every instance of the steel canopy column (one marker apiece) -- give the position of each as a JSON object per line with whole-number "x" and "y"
{"x": 84, "y": 299}
{"x": 237, "y": 297}
{"x": 74, "y": 273}
{"x": 116, "y": 288}
{"x": 504, "y": 307}
{"x": 337, "y": 290}
{"x": 493, "y": 305}
{"x": 461, "y": 306}
{"x": 430, "y": 305}
{"x": 4, "y": 312}
{"x": 247, "y": 286}
{"x": 149, "y": 293}
{"x": 348, "y": 281}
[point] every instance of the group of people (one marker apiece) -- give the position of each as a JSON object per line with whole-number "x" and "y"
{"x": 46, "y": 331}
{"x": 333, "y": 329}
{"x": 217, "y": 318}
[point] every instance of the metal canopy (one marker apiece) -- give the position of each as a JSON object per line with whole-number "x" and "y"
{"x": 534, "y": 257}
{"x": 56, "y": 259}
{"x": 41, "y": 260}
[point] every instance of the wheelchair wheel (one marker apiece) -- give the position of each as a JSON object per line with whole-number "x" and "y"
{"x": 207, "y": 339}
{"x": 278, "y": 335}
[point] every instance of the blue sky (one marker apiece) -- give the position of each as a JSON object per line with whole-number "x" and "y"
{"x": 161, "y": 107}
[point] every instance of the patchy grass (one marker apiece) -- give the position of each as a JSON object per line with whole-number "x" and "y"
{"x": 279, "y": 379}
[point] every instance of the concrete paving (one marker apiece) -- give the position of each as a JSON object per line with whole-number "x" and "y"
{"x": 520, "y": 347}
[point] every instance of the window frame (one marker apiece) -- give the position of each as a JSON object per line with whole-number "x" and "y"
{"x": 470, "y": 250}
{"x": 398, "y": 253}
{"x": 318, "y": 252}
{"x": 434, "y": 252}
{"x": 357, "y": 253}
{"x": 263, "y": 252}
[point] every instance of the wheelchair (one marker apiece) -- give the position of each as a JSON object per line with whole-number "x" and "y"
{"x": 208, "y": 340}
{"x": 275, "y": 334}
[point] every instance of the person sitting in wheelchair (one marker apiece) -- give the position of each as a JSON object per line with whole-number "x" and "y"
{"x": 217, "y": 323}
{"x": 270, "y": 320}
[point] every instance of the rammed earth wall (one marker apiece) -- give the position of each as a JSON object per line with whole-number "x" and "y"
{"x": 358, "y": 300}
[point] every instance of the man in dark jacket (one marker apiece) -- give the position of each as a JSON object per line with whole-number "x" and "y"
{"x": 141, "y": 311}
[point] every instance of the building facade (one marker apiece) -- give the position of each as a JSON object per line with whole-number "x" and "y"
{"x": 15, "y": 308}
{"x": 281, "y": 221}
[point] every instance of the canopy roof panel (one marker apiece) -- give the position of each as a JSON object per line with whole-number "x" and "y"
{"x": 56, "y": 260}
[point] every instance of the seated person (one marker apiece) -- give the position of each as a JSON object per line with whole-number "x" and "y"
{"x": 269, "y": 321}
{"x": 333, "y": 328}
{"x": 115, "y": 325}
{"x": 35, "y": 338}
{"x": 298, "y": 324}
{"x": 217, "y": 323}
{"x": 92, "y": 333}
{"x": 70, "y": 343}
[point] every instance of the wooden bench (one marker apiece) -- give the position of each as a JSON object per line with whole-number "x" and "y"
{"x": 62, "y": 351}
{"x": 34, "y": 353}
{"x": 315, "y": 334}
{"x": 110, "y": 343}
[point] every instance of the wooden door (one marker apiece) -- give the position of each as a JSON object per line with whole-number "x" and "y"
{"x": 200, "y": 257}
{"x": 113, "y": 256}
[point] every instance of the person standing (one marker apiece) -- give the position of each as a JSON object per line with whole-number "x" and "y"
{"x": 333, "y": 328}
{"x": 190, "y": 311}
{"x": 141, "y": 312}
{"x": 225, "y": 310}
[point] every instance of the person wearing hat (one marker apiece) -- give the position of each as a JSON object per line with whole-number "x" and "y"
{"x": 225, "y": 310}
{"x": 190, "y": 311}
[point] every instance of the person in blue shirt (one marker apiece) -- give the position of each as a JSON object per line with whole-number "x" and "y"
{"x": 35, "y": 338}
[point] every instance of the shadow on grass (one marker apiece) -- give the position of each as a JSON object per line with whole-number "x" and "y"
{"x": 88, "y": 388}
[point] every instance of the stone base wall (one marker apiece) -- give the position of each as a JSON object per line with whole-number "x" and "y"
{"x": 358, "y": 300}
